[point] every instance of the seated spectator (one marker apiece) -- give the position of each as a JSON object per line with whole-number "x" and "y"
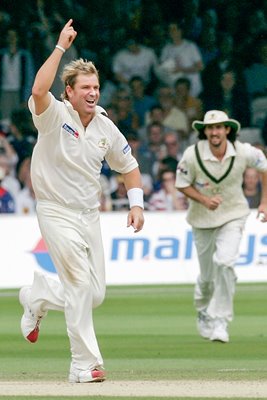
{"x": 173, "y": 117}
{"x": 127, "y": 118}
{"x": 9, "y": 151}
{"x": 146, "y": 160}
{"x": 8, "y": 181}
{"x": 180, "y": 57}
{"x": 142, "y": 102}
{"x": 16, "y": 74}
{"x": 143, "y": 154}
{"x": 166, "y": 163}
{"x": 155, "y": 114}
{"x": 108, "y": 86}
{"x": 212, "y": 72}
{"x": 167, "y": 198}
{"x": 134, "y": 60}
{"x": 26, "y": 202}
{"x": 192, "y": 106}
{"x": 22, "y": 136}
{"x": 173, "y": 143}
{"x": 252, "y": 187}
{"x": 118, "y": 194}
{"x": 7, "y": 203}
{"x": 155, "y": 135}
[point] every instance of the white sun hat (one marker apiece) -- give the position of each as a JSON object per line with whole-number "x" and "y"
{"x": 216, "y": 117}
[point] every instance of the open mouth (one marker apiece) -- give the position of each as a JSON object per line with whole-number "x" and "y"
{"x": 90, "y": 102}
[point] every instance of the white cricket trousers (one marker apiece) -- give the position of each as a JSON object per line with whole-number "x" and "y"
{"x": 74, "y": 242}
{"x": 218, "y": 251}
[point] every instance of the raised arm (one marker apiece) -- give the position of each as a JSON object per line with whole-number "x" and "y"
{"x": 46, "y": 74}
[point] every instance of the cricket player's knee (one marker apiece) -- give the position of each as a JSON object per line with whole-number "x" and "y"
{"x": 224, "y": 259}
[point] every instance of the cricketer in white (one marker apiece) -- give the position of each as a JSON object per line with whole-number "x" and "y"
{"x": 210, "y": 174}
{"x": 74, "y": 137}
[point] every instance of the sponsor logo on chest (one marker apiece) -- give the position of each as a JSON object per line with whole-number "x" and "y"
{"x": 70, "y": 130}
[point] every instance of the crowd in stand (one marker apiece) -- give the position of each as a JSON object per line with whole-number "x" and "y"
{"x": 161, "y": 67}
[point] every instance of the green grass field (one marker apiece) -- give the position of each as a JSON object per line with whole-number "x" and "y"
{"x": 144, "y": 332}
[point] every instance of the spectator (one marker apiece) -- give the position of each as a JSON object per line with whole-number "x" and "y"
{"x": 9, "y": 182}
{"x": 16, "y": 75}
{"x": 155, "y": 134}
{"x": 173, "y": 117}
{"x": 180, "y": 57}
{"x": 226, "y": 59}
{"x": 141, "y": 152}
{"x": 25, "y": 203}
{"x": 118, "y": 194}
{"x": 22, "y": 135}
{"x": 7, "y": 203}
{"x": 252, "y": 187}
{"x": 172, "y": 142}
{"x": 165, "y": 163}
{"x": 108, "y": 86}
{"x": 8, "y": 150}
{"x": 142, "y": 102}
{"x": 192, "y": 106}
{"x": 49, "y": 26}
{"x": 146, "y": 160}
{"x": 134, "y": 60}
{"x": 127, "y": 118}
{"x": 155, "y": 114}
{"x": 167, "y": 198}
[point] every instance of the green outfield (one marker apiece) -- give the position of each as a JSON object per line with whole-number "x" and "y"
{"x": 144, "y": 332}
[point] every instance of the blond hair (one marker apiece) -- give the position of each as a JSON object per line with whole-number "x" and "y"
{"x": 73, "y": 69}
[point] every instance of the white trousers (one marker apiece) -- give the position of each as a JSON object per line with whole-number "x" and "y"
{"x": 218, "y": 251}
{"x": 74, "y": 243}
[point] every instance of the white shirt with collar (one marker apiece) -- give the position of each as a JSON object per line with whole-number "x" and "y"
{"x": 218, "y": 178}
{"x": 67, "y": 159}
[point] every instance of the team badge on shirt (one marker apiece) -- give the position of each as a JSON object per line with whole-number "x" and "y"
{"x": 70, "y": 130}
{"x": 103, "y": 143}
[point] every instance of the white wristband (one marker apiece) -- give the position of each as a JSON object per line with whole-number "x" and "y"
{"x": 136, "y": 197}
{"x": 60, "y": 48}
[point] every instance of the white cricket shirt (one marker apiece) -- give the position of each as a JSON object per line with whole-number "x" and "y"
{"x": 66, "y": 161}
{"x": 225, "y": 181}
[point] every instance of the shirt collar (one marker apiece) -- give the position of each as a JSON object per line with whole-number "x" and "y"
{"x": 207, "y": 154}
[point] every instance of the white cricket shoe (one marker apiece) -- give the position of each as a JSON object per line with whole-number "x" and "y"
{"x": 220, "y": 332}
{"x": 205, "y": 324}
{"x": 86, "y": 376}
{"x": 31, "y": 319}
